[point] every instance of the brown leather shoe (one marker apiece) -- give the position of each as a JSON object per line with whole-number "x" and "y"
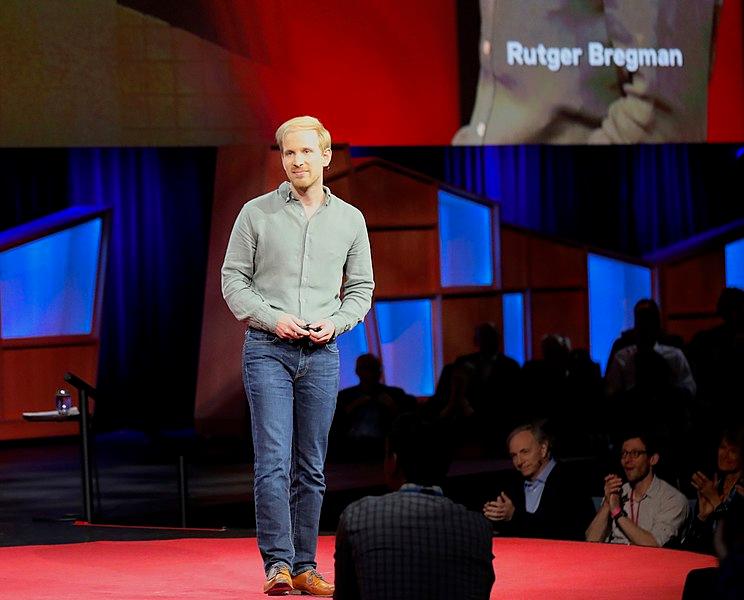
{"x": 311, "y": 582}
{"x": 278, "y": 581}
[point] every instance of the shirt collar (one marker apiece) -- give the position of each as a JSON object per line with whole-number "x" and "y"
{"x": 285, "y": 193}
{"x": 543, "y": 477}
{"x": 413, "y": 488}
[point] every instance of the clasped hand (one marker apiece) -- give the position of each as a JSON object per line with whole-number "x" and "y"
{"x": 291, "y": 327}
{"x": 612, "y": 490}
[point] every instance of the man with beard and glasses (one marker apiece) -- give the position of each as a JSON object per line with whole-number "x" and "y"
{"x": 644, "y": 511}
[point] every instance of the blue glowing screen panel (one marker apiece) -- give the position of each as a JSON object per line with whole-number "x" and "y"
{"x": 407, "y": 347}
{"x": 351, "y": 345}
{"x": 735, "y": 264}
{"x": 513, "y": 326}
{"x": 48, "y": 286}
{"x": 465, "y": 242}
{"x": 614, "y": 288}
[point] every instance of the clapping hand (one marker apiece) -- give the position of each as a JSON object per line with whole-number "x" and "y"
{"x": 612, "y": 490}
{"x": 501, "y": 509}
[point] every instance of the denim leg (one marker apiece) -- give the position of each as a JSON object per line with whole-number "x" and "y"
{"x": 268, "y": 380}
{"x": 316, "y": 389}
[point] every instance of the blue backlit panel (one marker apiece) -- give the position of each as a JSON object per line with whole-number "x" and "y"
{"x": 47, "y": 287}
{"x": 351, "y": 345}
{"x": 465, "y": 242}
{"x": 407, "y": 345}
{"x": 614, "y": 288}
{"x": 513, "y": 326}
{"x": 735, "y": 264}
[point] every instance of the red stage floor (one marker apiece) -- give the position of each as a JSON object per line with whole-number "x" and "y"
{"x": 209, "y": 569}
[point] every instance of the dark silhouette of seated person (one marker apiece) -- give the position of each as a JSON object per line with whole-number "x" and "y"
{"x": 716, "y": 358}
{"x": 652, "y": 375}
{"x": 546, "y": 501}
{"x": 716, "y": 495}
{"x": 414, "y": 543}
{"x": 478, "y": 391}
{"x": 725, "y": 582}
{"x": 365, "y": 412}
{"x": 565, "y": 387}
{"x": 629, "y": 337}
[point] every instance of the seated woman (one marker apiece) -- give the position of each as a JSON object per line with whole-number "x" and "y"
{"x": 716, "y": 496}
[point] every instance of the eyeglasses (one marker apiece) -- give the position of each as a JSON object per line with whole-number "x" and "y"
{"x": 632, "y": 453}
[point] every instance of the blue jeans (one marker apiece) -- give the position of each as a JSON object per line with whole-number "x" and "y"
{"x": 291, "y": 389}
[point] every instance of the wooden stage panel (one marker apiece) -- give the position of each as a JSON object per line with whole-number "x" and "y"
{"x": 562, "y": 312}
{"x": 556, "y": 265}
{"x": 405, "y": 262}
{"x": 29, "y": 378}
{"x": 694, "y": 284}
{"x": 390, "y": 199}
{"x": 460, "y": 316}
{"x": 514, "y": 259}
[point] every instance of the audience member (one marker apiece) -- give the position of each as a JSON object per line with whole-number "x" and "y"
{"x": 639, "y": 365}
{"x": 716, "y": 356}
{"x": 477, "y": 393}
{"x": 546, "y": 380}
{"x": 725, "y": 582}
{"x": 365, "y": 412}
{"x": 564, "y": 387}
{"x": 645, "y": 510}
{"x": 654, "y": 376}
{"x": 545, "y": 503}
{"x": 629, "y": 337}
{"x": 413, "y": 543}
{"x": 716, "y": 495}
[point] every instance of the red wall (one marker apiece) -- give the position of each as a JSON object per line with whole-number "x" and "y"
{"x": 375, "y": 72}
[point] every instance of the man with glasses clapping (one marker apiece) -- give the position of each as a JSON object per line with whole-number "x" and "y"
{"x": 646, "y": 510}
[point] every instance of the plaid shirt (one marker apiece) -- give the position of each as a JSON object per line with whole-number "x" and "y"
{"x": 410, "y": 544}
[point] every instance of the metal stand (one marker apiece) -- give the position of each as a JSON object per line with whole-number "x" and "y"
{"x": 84, "y": 390}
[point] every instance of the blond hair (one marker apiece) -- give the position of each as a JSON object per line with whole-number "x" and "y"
{"x": 305, "y": 122}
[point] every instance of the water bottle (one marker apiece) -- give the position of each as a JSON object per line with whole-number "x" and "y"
{"x": 63, "y": 401}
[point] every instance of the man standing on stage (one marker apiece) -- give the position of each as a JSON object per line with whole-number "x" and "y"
{"x": 298, "y": 272}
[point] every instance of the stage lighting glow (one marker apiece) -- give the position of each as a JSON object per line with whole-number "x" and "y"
{"x": 47, "y": 286}
{"x": 465, "y": 242}
{"x": 407, "y": 344}
{"x": 614, "y": 288}
{"x": 351, "y": 345}
{"x": 513, "y": 326}
{"x": 735, "y": 264}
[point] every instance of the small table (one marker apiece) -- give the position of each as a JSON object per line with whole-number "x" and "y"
{"x": 85, "y": 468}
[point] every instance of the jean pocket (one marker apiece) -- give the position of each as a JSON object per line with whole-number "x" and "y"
{"x": 332, "y": 347}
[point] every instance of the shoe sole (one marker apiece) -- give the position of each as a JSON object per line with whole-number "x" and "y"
{"x": 279, "y": 589}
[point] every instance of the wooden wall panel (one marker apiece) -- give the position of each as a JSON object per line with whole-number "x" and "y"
{"x": 566, "y": 313}
{"x": 693, "y": 285}
{"x": 405, "y": 262}
{"x": 460, "y": 316}
{"x": 389, "y": 199}
{"x": 688, "y": 327}
{"x": 30, "y": 377}
{"x": 514, "y": 259}
{"x": 556, "y": 265}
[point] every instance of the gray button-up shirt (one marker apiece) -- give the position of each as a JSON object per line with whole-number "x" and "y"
{"x": 279, "y": 261}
